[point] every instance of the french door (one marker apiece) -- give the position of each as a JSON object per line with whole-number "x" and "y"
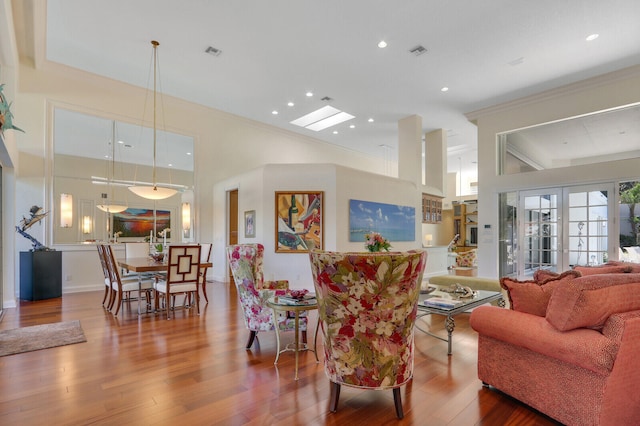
{"x": 558, "y": 228}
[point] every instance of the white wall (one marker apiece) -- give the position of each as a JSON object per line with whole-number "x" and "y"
{"x": 608, "y": 91}
{"x": 256, "y": 191}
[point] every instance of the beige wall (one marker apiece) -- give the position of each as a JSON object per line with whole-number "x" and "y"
{"x": 225, "y": 145}
{"x": 608, "y": 91}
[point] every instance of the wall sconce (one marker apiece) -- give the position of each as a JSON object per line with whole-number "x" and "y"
{"x": 428, "y": 238}
{"x": 186, "y": 220}
{"x": 66, "y": 210}
{"x": 86, "y": 224}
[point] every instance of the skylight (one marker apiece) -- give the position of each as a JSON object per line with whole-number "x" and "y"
{"x": 322, "y": 118}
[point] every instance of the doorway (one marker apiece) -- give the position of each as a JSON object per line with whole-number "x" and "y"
{"x": 232, "y": 220}
{"x": 557, "y": 228}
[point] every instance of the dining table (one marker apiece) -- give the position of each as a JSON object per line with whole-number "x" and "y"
{"x": 147, "y": 265}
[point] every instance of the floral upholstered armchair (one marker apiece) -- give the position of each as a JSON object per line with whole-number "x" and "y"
{"x": 367, "y": 303}
{"x": 245, "y": 261}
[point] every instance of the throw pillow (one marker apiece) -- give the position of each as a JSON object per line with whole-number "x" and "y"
{"x": 532, "y": 297}
{"x": 589, "y": 301}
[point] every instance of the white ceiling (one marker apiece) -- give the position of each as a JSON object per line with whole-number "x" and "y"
{"x": 486, "y": 52}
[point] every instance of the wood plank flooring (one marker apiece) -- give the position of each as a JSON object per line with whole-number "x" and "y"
{"x": 194, "y": 370}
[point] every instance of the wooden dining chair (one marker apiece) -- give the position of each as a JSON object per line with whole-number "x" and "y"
{"x": 107, "y": 276}
{"x": 121, "y": 286}
{"x": 182, "y": 277}
{"x": 205, "y": 257}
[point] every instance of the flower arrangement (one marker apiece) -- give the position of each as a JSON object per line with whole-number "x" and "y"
{"x": 164, "y": 232}
{"x": 373, "y": 242}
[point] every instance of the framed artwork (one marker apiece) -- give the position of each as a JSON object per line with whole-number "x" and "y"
{"x": 299, "y": 221}
{"x": 139, "y": 223}
{"x": 393, "y": 222}
{"x": 250, "y": 224}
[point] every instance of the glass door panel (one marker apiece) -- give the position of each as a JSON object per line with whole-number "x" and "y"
{"x": 589, "y": 211}
{"x": 539, "y": 248}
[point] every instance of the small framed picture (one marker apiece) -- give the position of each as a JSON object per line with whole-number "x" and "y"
{"x": 250, "y": 224}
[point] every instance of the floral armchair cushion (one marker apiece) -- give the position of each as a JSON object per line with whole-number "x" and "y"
{"x": 367, "y": 305}
{"x": 466, "y": 259}
{"x": 245, "y": 261}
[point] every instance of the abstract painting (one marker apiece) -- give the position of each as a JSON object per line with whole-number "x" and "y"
{"x": 299, "y": 221}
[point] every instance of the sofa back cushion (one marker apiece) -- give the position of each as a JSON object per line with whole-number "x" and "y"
{"x": 533, "y": 297}
{"x": 589, "y": 301}
{"x": 603, "y": 269}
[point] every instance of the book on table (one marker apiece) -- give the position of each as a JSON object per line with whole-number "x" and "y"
{"x": 441, "y": 302}
{"x": 308, "y": 299}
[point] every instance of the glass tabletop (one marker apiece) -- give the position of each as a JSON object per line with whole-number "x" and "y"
{"x": 440, "y": 301}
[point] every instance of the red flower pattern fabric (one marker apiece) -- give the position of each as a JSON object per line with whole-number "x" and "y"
{"x": 245, "y": 261}
{"x": 367, "y": 305}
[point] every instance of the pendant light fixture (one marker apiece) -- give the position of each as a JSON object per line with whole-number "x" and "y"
{"x": 153, "y": 192}
{"x": 108, "y": 205}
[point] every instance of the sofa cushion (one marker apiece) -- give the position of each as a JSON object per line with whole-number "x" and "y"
{"x": 533, "y": 296}
{"x": 584, "y": 347}
{"x": 603, "y": 269}
{"x": 589, "y": 301}
{"x": 544, "y": 274}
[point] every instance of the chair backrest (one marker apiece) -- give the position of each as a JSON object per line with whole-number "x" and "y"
{"x": 245, "y": 262}
{"x": 112, "y": 265}
{"x": 183, "y": 266}
{"x": 205, "y": 252}
{"x": 136, "y": 250}
{"x": 466, "y": 259}
{"x": 367, "y": 304}
{"x": 103, "y": 261}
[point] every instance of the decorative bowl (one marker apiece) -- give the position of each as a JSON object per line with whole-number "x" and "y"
{"x": 298, "y": 294}
{"x": 158, "y": 257}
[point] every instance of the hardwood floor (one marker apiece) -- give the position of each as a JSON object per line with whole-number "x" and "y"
{"x": 194, "y": 370}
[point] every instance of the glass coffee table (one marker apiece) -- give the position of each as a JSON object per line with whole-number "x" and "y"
{"x": 450, "y": 305}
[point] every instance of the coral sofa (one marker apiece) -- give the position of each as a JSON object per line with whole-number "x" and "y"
{"x": 575, "y": 355}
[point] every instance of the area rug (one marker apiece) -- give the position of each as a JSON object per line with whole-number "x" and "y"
{"x": 34, "y": 338}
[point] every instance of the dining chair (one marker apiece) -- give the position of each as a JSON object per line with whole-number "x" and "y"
{"x": 245, "y": 261}
{"x": 182, "y": 277}
{"x": 124, "y": 285}
{"x": 367, "y": 305}
{"x": 205, "y": 257}
{"x": 107, "y": 275}
{"x": 135, "y": 249}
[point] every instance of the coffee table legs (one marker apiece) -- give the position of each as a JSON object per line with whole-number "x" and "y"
{"x": 449, "y": 325}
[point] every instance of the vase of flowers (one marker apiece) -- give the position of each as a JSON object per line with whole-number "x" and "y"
{"x": 374, "y": 242}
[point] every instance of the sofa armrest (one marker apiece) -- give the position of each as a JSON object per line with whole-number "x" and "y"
{"x": 584, "y": 347}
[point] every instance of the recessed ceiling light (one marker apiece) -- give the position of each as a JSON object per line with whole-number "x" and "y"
{"x": 274, "y": 112}
{"x": 444, "y": 89}
{"x": 592, "y": 37}
{"x": 382, "y": 44}
{"x": 170, "y": 165}
{"x": 188, "y": 153}
{"x": 335, "y": 132}
{"x": 322, "y": 118}
{"x": 290, "y": 104}
{"x": 309, "y": 94}
{"x": 120, "y": 142}
{"x": 370, "y": 120}
{"x": 353, "y": 126}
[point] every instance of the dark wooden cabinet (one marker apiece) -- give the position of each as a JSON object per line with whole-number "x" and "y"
{"x": 40, "y": 275}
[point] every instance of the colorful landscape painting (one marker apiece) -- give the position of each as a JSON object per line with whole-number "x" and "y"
{"x": 139, "y": 222}
{"x": 393, "y": 222}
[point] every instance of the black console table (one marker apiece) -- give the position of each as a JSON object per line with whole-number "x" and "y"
{"x": 40, "y": 275}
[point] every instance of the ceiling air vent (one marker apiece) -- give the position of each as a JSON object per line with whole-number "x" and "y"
{"x": 326, "y": 99}
{"x": 213, "y": 51}
{"x": 418, "y": 50}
